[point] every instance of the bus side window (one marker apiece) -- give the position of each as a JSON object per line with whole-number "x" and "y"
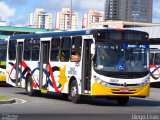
{"x": 157, "y": 59}
{"x": 35, "y": 49}
{"x": 12, "y": 49}
{"x": 65, "y": 49}
{"x": 76, "y": 49}
{"x": 55, "y": 47}
{"x": 151, "y": 58}
{"x": 27, "y": 49}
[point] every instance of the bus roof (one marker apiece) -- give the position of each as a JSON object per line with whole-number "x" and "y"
{"x": 3, "y": 42}
{"x": 64, "y": 33}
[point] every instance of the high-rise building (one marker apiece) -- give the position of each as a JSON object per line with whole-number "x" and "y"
{"x": 40, "y": 19}
{"x": 129, "y": 10}
{"x": 64, "y": 20}
{"x": 91, "y": 17}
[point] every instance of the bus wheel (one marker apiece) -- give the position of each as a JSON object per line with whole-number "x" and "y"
{"x": 29, "y": 87}
{"x": 74, "y": 96}
{"x": 122, "y": 100}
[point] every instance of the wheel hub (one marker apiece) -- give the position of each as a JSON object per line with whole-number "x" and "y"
{"x": 29, "y": 87}
{"x": 73, "y": 91}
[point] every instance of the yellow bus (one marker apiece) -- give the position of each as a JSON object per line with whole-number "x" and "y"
{"x": 109, "y": 63}
{"x": 3, "y": 51}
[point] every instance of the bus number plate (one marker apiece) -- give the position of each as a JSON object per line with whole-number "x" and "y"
{"x": 124, "y": 90}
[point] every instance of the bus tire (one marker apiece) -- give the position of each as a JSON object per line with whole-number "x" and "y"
{"x": 74, "y": 96}
{"x": 122, "y": 100}
{"x": 29, "y": 88}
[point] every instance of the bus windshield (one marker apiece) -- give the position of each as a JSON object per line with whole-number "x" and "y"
{"x": 119, "y": 58}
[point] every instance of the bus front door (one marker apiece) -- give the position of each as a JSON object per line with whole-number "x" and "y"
{"x": 44, "y": 60}
{"x": 86, "y": 66}
{"x": 19, "y": 64}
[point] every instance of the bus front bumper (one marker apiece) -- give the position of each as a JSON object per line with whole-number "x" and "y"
{"x": 99, "y": 90}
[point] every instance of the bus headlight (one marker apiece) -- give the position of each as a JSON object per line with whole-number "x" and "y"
{"x": 100, "y": 81}
{"x": 144, "y": 83}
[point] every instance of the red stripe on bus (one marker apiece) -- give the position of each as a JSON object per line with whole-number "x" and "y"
{"x": 52, "y": 77}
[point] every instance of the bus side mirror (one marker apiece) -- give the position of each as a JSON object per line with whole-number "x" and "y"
{"x": 92, "y": 50}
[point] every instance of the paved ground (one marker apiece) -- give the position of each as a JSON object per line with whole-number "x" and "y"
{"x": 56, "y": 104}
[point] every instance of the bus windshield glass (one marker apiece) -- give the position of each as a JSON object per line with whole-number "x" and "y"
{"x": 121, "y": 58}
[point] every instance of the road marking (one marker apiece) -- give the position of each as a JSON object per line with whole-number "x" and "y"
{"x": 19, "y": 101}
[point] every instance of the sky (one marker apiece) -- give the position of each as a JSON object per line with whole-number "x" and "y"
{"x": 16, "y": 12}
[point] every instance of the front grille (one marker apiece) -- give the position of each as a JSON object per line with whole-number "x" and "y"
{"x": 118, "y": 85}
{"x": 127, "y": 76}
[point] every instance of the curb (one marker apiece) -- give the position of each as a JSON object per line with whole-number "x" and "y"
{"x": 12, "y": 100}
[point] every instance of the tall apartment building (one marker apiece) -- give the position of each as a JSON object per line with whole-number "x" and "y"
{"x": 40, "y": 19}
{"x": 129, "y": 10}
{"x": 63, "y": 20}
{"x": 91, "y": 17}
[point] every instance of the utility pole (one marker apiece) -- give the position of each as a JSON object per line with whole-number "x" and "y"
{"x": 134, "y": 18}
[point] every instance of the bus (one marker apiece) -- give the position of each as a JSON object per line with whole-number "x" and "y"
{"x": 155, "y": 62}
{"x": 3, "y": 52}
{"x": 109, "y": 63}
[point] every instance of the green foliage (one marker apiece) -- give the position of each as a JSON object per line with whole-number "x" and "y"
{"x": 3, "y": 97}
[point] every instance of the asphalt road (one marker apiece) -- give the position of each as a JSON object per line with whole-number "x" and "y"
{"x": 49, "y": 105}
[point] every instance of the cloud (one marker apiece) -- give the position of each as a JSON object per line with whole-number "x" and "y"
{"x": 6, "y": 12}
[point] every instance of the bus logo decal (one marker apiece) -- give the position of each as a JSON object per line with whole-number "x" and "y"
{"x": 72, "y": 71}
{"x": 62, "y": 80}
{"x": 121, "y": 66}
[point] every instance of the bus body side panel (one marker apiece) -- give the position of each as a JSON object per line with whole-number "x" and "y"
{"x": 11, "y": 72}
{"x": 33, "y": 70}
{"x": 155, "y": 64}
{"x": 154, "y": 73}
{"x": 11, "y": 63}
{"x": 60, "y": 76}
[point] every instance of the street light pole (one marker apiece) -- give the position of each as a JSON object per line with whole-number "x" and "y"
{"x": 134, "y": 18}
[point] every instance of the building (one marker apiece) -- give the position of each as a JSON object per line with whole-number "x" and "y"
{"x": 112, "y": 10}
{"x": 121, "y": 24}
{"x": 92, "y": 17}
{"x": 129, "y": 10}
{"x": 153, "y": 31}
{"x": 40, "y": 19}
{"x": 64, "y": 20}
{"x": 5, "y": 31}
